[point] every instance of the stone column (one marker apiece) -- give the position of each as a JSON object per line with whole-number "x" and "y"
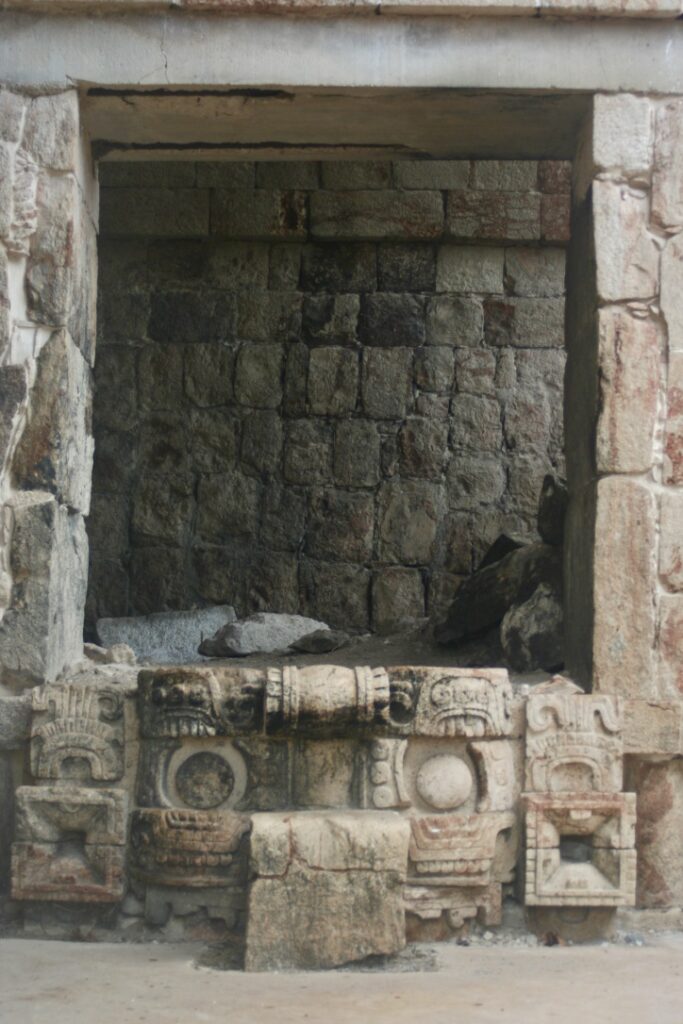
{"x": 47, "y": 313}
{"x": 624, "y": 417}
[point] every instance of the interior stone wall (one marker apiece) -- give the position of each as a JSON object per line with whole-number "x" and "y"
{"x": 322, "y": 388}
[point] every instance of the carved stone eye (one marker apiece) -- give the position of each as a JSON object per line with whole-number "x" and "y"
{"x": 444, "y": 781}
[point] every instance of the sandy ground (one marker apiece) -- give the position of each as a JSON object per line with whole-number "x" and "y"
{"x": 68, "y": 983}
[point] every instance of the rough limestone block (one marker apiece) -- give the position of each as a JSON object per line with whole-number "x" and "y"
{"x": 6, "y": 189}
{"x": 659, "y": 833}
{"x": 624, "y": 582}
{"x": 348, "y": 174}
{"x": 652, "y": 727}
{"x": 673, "y": 440}
{"x": 423, "y": 447}
{"x": 336, "y": 593}
{"x": 5, "y": 319}
{"x": 388, "y": 319}
{"x": 670, "y": 645}
{"x": 258, "y": 376}
{"x": 441, "y": 174}
{"x": 13, "y": 392}
{"x": 409, "y": 514}
{"x": 398, "y": 598}
{"x": 333, "y": 381}
{"x": 671, "y": 540}
{"x": 54, "y": 250}
{"x": 15, "y": 721}
{"x": 165, "y": 637}
{"x": 387, "y": 382}
{"x": 505, "y": 175}
{"x": 626, "y": 254}
{"x": 470, "y": 269}
{"x": 341, "y": 526}
{"x": 556, "y": 217}
{"x": 671, "y": 291}
{"x": 51, "y": 130}
{"x": 623, "y": 131}
{"x": 629, "y": 371}
{"x": 454, "y": 320}
{"x": 42, "y": 630}
{"x": 287, "y": 174}
{"x": 265, "y": 213}
{"x": 55, "y": 452}
{"x": 667, "y": 178}
{"x": 356, "y": 453}
{"x": 332, "y": 883}
{"x": 524, "y": 322}
{"x": 504, "y": 216}
{"x": 156, "y": 212}
{"x": 535, "y": 272}
{"x": 376, "y": 214}
{"x": 11, "y": 115}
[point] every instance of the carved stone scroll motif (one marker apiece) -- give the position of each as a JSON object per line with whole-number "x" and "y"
{"x": 179, "y": 702}
{"x": 77, "y": 732}
{"x": 324, "y": 699}
{"x": 70, "y": 844}
{"x": 189, "y": 848}
{"x": 573, "y": 743}
{"x": 580, "y": 850}
{"x": 474, "y": 703}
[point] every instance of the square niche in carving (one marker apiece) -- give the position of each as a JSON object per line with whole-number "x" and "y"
{"x": 580, "y": 850}
{"x": 70, "y": 844}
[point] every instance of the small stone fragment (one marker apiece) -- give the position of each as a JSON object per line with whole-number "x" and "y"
{"x": 321, "y": 641}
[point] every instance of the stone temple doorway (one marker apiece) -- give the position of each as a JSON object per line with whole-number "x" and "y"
{"x": 328, "y": 376}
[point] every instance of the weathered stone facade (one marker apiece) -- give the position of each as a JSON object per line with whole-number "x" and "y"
{"x": 388, "y": 800}
{"x": 322, "y": 387}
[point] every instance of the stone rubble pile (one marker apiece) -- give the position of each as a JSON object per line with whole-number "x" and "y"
{"x": 510, "y": 610}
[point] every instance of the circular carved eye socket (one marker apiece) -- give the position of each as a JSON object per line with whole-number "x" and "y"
{"x": 445, "y": 782}
{"x": 204, "y": 780}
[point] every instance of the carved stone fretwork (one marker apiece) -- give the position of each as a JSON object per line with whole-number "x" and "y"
{"x": 77, "y": 732}
{"x": 70, "y": 844}
{"x": 177, "y": 702}
{"x": 499, "y": 785}
{"x": 580, "y": 849}
{"x": 383, "y": 786}
{"x": 456, "y": 702}
{"x": 459, "y": 903}
{"x": 326, "y": 698}
{"x": 196, "y": 849}
{"x": 24, "y": 209}
{"x": 573, "y": 743}
{"x": 456, "y": 849}
{"x": 241, "y": 773}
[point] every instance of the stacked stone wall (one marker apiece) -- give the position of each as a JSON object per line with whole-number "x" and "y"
{"x": 322, "y": 387}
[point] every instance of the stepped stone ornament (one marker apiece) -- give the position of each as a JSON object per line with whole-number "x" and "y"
{"x": 76, "y": 726}
{"x": 605, "y": 824}
{"x": 191, "y": 848}
{"x": 70, "y": 844}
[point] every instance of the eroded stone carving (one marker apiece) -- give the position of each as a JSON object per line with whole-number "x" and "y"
{"x": 459, "y": 847}
{"x": 429, "y": 902}
{"x": 580, "y": 849}
{"x": 188, "y": 847}
{"x": 326, "y": 698}
{"x": 573, "y": 743}
{"x": 77, "y": 732}
{"x": 460, "y": 702}
{"x": 498, "y": 781}
{"x": 200, "y": 702}
{"x": 241, "y": 773}
{"x": 70, "y": 844}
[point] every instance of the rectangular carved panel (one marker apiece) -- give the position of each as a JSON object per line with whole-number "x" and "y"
{"x": 77, "y": 732}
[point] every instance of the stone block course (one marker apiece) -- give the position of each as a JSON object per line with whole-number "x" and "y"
{"x": 499, "y": 216}
{"x": 169, "y": 213}
{"x": 377, "y": 214}
{"x": 260, "y": 213}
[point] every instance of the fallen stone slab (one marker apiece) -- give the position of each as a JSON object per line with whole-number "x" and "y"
{"x": 321, "y": 641}
{"x": 327, "y": 888}
{"x": 532, "y": 633}
{"x": 165, "y": 638}
{"x": 263, "y": 633}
